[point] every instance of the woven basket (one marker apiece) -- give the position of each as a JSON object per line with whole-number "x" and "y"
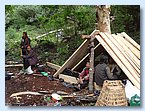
{"x": 112, "y": 94}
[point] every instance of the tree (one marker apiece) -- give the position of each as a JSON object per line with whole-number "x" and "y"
{"x": 103, "y": 18}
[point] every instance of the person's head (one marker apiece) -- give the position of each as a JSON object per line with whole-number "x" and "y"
{"x": 28, "y": 47}
{"x": 88, "y": 64}
{"x": 24, "y": 34}
{"x": 104, "y": 59}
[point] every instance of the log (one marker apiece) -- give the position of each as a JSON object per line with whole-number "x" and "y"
{"x": 130, "y": 40}
{"x": 54, "y": 66}
{"x": 117, "y": 60}
{"x": 91, "y": 70}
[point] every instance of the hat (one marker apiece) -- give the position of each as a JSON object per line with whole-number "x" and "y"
{"x": 56, "y": 96}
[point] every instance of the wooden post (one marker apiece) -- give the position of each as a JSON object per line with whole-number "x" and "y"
{"x": 91, "y": 71}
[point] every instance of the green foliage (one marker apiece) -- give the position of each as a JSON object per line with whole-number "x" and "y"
{"x": 126, "y": 19}
{"x": 65, "y": 25}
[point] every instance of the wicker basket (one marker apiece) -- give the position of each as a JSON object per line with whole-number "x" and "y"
{"x": 112, "y": 94}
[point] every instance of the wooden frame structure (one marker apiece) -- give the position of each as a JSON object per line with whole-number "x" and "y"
{"x": 122, "y": 48}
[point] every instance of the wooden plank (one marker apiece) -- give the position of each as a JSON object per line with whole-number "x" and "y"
{"x": 68, "y": 79}
{"x": 14, "y": 65}
{"x": 25, "y": 93}
{"x": 54, "y": 66}
{"x": 117, "y": 60}
{"x": 124, "y": 52}
{"x": 120, "y": 55}
{"x": 130, "y": 51}
{"x": 80, "y": 62}
{"x": 127, "y": 51}
{"x": 76, "y": 56}
{"x": 131, "y": 47}
{"x": 98, "y": 45}
{"x": 131, "y": 40}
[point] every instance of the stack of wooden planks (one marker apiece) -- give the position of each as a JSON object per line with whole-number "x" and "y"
{"x": 125, "y": 52}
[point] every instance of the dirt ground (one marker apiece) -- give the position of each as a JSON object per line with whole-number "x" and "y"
{"x": 35, "y": 83}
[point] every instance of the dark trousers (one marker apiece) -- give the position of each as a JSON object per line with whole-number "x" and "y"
{"x": 85, "y": 84}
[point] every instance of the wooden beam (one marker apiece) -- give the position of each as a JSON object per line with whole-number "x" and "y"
{"x": 75, "y": 57}
{"x": 85, "y": 36}
{"x": 131, "y": 40}
{"x": 54, "y": 66}
{"x": 115, "y": 48}
{"x": 135, "y": 60}
{"x": 14, "y": 65}
{"x": 95, "y": 32}
{"x": 119, "y": 44}
{"x": 98, "y": 50}
{"x": 68, "y": 79}
{"x": 91, "y": 70}
{"x": 24, "y": 93}
{"x": 134, "y": 50}
{"x": 117, "y": 60}
{"x": 80, "y": 62}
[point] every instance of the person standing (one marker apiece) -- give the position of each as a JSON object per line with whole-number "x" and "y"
{"x": 25, "y": 42}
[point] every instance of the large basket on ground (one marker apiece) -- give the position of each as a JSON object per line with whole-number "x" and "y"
{"x": 112, "y": 94}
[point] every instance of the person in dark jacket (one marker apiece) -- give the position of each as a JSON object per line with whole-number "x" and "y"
{"x": 102, "y": 71}
{"x": 30, "y": 59}
{"x": 25, "y": 42}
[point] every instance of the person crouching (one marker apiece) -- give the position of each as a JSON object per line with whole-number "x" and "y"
{"x": 30, "y": 60}
{"x": 84, "y": 77}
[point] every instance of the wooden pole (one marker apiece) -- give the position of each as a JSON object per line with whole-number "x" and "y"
{"x": 91, "y": 71}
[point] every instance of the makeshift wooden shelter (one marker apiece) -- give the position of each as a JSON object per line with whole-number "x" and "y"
{"x": 122, "y": 48}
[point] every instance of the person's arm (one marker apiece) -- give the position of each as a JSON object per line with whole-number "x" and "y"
{"x": 109, "y": 74}
{"x": 82, "y": 74}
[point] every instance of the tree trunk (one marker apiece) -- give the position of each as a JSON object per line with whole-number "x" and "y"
{"x": 103, "y": 18}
